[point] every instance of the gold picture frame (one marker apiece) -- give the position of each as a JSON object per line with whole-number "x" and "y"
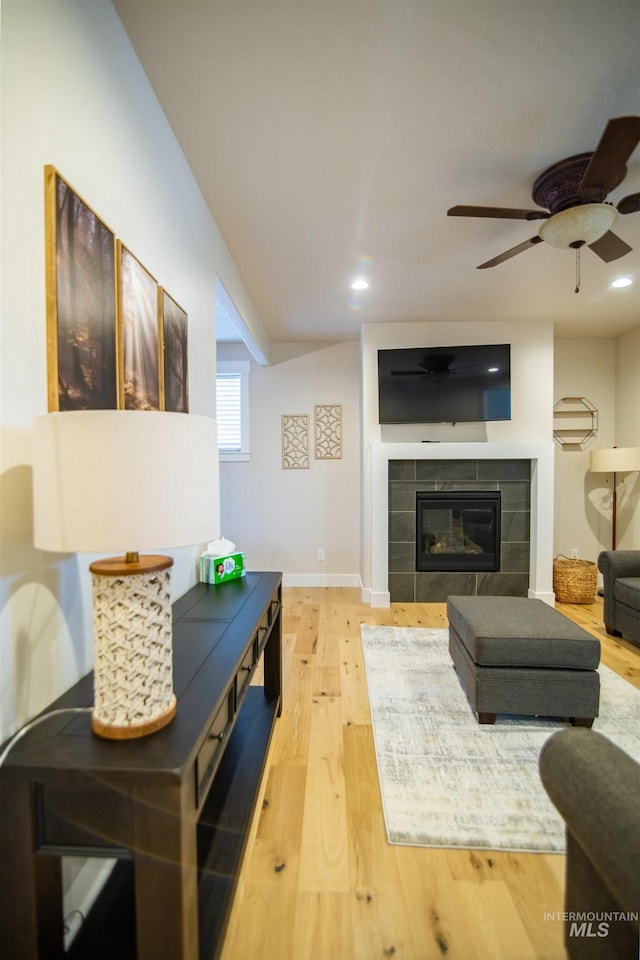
{"x": 116, "y": 339}
{"x": 82, "y": 331}
{"x": 139, "y": 333}
{"x": 174, "y": 369}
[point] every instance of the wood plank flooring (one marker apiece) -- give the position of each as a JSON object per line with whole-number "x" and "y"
{"x": 319, "y": 880}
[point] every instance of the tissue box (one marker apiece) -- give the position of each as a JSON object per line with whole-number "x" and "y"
{"x": 218, "y": 569}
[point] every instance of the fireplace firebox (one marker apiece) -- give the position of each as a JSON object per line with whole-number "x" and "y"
{"x": 458, "y": 531}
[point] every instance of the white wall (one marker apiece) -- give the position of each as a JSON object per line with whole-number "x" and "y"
{"x": 584, "y": 368}
{"x": 280, "y": 518}
{"x": 75, "y": 96}
{"x": 531, "y": 399}
{"x": 607, "y": 373}
{"x": 628, "y": 435}
{"x": 628, "y": 389}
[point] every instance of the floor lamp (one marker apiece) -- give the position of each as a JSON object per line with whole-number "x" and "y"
{"x": 614, "y": 460}
{"x": 106, "y": 480}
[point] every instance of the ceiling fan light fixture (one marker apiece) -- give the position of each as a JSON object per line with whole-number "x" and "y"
{"x": 576, "y": 226}
{"x": 622, "y": 282}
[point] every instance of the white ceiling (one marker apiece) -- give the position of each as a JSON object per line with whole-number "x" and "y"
{"x": 329, "y": 138}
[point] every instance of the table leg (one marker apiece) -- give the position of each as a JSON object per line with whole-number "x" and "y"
{"x": 166, "y": 875}
{"x": 31, "y": 921}
{"x": 273, "y": 661}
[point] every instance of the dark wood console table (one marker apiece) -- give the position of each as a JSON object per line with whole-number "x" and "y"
{"x": 173, "y": 807}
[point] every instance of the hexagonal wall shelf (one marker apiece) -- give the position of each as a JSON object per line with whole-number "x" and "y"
{"x": 575, "y": 422}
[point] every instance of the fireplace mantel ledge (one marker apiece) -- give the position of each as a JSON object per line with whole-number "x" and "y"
{"x": 541, "y": 455}
{"x": 436, "y": 450}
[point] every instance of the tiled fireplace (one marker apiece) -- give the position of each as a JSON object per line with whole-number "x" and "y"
{"x": 523, "y": 475}
{"x": 462, "y": 503}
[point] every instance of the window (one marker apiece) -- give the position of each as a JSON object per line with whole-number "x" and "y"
{"x": 232, "y": 409}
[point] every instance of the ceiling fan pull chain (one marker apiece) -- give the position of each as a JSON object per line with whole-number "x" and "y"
{"x": 577, "y": 290}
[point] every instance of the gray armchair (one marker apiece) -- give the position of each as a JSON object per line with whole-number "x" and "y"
{"x": 620, "y": 571}
{"x": 595, "y": 787}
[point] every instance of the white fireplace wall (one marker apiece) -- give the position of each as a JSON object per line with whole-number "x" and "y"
{"x": 531, "y": 426}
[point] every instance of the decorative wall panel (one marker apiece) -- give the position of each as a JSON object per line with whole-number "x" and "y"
{"x": 295, "y": 441}
{"x": 328, "y": 431}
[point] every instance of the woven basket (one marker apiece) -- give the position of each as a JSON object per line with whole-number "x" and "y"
{"x": 574, "y": 581}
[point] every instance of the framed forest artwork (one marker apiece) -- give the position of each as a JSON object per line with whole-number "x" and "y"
{"x": 138, "y": 321}
{"x": 175, "y": 372}
{"x": 82, "y": 335}
{"x": 115, "y": 338}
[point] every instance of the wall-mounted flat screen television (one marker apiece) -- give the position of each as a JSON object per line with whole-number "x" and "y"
{"x": 445, "y": 384}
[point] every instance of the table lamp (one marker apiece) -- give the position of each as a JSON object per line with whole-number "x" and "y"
{"x": 614, "y": 460}
{"x": 108, "y": 480}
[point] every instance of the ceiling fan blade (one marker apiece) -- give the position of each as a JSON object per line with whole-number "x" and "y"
{"x": 610, "y": 247}
{"x": 607, "y": 166}
{"x": 630, "y": 204}
{"x": 511, "y": 253}
{"x": 501, "y": 213}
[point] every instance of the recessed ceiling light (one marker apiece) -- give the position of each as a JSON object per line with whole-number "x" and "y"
{"x": 360, "y": 284}
{"x": 622, "y": 282}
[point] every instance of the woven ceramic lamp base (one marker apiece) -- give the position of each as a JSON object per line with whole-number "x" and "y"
{"x": 133, "y": 672}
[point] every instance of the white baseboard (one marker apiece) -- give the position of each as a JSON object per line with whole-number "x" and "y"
{"x": 380, "y": 598}
{"x": 87, "y": 883}
{"x": 549, "y": 598}
{"x": 320, "y": 580}
{"x": 367, "y": 595}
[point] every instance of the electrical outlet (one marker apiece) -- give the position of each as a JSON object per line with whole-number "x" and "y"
{"x": 320, "y": 553}
{"x": 574, "y": 553}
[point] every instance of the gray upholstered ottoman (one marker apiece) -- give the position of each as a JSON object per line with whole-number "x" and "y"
{"x": 520, "y": 656}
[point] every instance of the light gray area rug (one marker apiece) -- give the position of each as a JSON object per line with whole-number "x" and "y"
{"x": 447, "y": 781}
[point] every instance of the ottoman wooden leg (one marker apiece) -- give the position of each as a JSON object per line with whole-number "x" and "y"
{"x": 486, "y": 718}
{"x": 581, "y": 721}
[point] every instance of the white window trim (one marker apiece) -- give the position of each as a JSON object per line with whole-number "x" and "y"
{"x": 243, "y": 367}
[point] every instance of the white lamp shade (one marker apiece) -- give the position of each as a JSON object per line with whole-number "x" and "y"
{"x": 581, "y": 224}
{"x": 124, "y": 480}
{"x": 615, "y": 460}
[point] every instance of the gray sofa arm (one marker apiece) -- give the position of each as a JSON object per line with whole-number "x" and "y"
{"x": 613, "y": 564}
{"x": 619, "y": 563}
{"x": 595, "y": 786}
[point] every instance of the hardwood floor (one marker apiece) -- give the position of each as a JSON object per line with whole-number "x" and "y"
{"x": 319, "y": 880}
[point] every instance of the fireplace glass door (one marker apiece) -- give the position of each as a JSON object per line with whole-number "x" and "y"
{"x": 458, "y": 531}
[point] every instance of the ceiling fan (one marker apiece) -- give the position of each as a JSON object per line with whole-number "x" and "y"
{"x": 573, "y": 195}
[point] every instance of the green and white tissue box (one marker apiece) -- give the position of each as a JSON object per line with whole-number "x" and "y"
{"x": 217, "y": 569}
